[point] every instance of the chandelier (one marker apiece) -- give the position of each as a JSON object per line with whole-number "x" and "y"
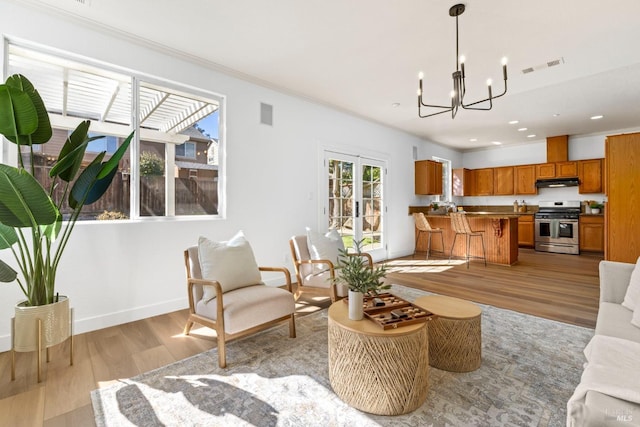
{"x": 459, "y": 89}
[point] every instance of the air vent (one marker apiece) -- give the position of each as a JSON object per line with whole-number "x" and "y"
{"x": 266, "y": 114}
{"x": 84, "y": 2}
{"x": 546, "y": 65}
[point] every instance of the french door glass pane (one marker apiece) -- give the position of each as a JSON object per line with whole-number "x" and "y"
{"x": 371, "y": 209}
{"x": 341, "y": 199}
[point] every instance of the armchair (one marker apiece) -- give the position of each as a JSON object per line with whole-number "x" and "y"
{"x": 235, "y": 312}
{"x": 315, "y": 276}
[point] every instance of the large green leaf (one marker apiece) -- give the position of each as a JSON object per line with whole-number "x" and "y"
{"x": 8, "y": 236}
{"x": 23, "y": 201}
{"x": 72, "y": 153}
{"x": 85, "y": 182}
{"x": 112, "y": 164}
{"x": 7, "y": 274}
{"x": 52, "y": 230}
{"x": 18, "y": 115}
{"x": 43, "y": 132}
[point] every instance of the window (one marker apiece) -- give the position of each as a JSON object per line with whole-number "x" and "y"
{"x": 106, "y": 143}
{"x": 176, "y": 133}
{"x": 188, "y": 149}
{"x": 447, "y": 192}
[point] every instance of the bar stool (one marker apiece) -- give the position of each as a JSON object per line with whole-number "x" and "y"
{"x": 422, "y": 225}
{"x": 460, "y": 224}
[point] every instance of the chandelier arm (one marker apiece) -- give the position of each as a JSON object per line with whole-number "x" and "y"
{"x": 466, "y": 106}
{"x": 420, "y": 103}
{"x": 434, "y": 114}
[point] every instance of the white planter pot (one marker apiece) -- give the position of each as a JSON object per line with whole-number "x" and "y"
{"x": 56, "y": 325}
{"x": 595, "y": 211}
{"x": 356, "y": 311}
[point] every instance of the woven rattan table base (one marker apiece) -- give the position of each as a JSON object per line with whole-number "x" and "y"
{"x": 384, "y": 375}
{"x": 455, "y": 344}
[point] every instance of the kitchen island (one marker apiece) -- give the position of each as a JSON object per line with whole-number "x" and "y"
{"x": 500, "y": 236}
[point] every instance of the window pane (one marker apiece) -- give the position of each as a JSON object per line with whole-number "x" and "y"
{"x": 72, "y": 92}
{"x": 152, "y": 179}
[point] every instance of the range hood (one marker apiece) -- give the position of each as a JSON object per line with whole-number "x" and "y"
{"x": 557, "y": 182}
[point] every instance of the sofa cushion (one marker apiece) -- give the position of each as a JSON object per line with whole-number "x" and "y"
{"x": 231, "y": 263}
{"x": 615, "y": 321}
{"x": 632, "y": 297}
{"x": 635, "y": 319}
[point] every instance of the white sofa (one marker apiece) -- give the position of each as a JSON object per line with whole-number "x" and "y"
{"x": 597, "y": 408}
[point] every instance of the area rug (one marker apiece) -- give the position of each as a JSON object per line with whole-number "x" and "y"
{"x": 530, "y": 367}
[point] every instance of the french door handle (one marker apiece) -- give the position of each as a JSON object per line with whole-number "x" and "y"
{"x": 357, "y": 209}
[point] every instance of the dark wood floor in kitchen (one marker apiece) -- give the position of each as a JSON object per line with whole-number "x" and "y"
{"x": 554, "y": 286}
{"x": 560, "y": 287}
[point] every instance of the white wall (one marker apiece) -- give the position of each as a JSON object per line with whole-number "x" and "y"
{"x": 118, "y": 272}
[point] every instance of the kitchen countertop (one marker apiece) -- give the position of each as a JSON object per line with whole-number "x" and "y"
{"x": 493, "y": 213}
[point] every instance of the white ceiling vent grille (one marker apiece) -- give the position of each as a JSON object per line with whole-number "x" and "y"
{"x": 83, "y": 2}
{"x": 548, "y": 64}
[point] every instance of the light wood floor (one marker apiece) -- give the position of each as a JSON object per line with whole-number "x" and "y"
{"x": 561, "y": 287}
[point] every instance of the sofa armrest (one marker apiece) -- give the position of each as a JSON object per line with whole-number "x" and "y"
{"x": 614, "y": 280}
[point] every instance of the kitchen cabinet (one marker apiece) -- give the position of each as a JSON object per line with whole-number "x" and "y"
{"x": 483, "y": 182}
{"x": 428, "y": 177}
{"x": 592, "y": 233}
{"x": 557, "y": 148}
{"x": 462, "y": 182}
{"x": 545, "y": 170}
{"x": 526, "y": 231}
{"x": 590, "y": 176}
{"x": 566, "y": 169}
{"x": 503, "y": 181}
{"x": 622, "y": 228}
{"x": 525, "y": 179}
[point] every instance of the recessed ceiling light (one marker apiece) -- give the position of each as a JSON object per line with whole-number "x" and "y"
{"x": 531, "y": 136}
{"x": 473, "y": 139}
{"x": 556, "y": 115}
{"x": 522, "y": 129}
{"x": 395, "y": 104}
{"x": 514, "y": 122}
{"x": 496, "y": 142}
{"x": 596, "y": 117}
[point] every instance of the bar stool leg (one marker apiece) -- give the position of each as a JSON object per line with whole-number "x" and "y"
{"x": 428, "y": 244}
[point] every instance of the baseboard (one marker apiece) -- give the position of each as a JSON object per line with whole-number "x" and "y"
{"x": 94, "y": 323}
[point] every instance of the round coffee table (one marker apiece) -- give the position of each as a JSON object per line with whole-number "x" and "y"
{"x": 455, "y": 338}
{"x": 384, "y": 372}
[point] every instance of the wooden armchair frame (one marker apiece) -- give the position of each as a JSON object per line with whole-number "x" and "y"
{"x": 218, "y": 324}
{"x": 331, "y": 291}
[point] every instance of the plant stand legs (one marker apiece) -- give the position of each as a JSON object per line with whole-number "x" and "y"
{"x": 39, "y": 350}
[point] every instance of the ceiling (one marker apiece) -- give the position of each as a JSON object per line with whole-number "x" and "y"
{"x": 363, "y": 56}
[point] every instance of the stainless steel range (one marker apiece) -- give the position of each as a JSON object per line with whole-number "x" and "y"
{"x": 556, "y": 225}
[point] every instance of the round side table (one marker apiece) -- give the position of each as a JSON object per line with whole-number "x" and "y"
{"x": 384, "y": 372}
{"x": 455, "y": 336}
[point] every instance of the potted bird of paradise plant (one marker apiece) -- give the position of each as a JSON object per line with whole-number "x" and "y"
{"x": 32, "y": 226}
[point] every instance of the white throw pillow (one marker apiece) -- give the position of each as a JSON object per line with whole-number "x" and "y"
{"x": 230, "y": 262}
{"x": 632, "y": 297}
{"x": 326, "y": 246}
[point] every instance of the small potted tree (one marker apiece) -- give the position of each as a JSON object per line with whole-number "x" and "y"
{"x": 595, "y": 207}
{"x": 354, "y": 272}
{"x": 32, "y": 225}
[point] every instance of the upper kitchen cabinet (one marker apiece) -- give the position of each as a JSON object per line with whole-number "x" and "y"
{"x": 503, "y": 181}
{"x": 483, "y": 182}
{"x": 590, "y": 176}
{"x": 525, "y": 179}
{"x": 428, "y": 177}
{"x": 462, "y": 182}
{"x": 557, "y": 149}
{"x": 566, "y": 169}
{"x": 546, "y": 170}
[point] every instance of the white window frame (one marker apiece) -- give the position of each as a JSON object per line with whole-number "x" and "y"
{"x": 447, "y": 191}
{"x": 9, "y": 152}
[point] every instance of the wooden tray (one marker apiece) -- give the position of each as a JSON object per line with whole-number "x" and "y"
{"x": 381, "y": 315}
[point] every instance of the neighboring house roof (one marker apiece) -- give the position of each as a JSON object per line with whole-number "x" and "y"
{"x": 195, "y": 134}
{"x": 194, "y": 165}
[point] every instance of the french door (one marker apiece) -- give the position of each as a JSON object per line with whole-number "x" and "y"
{"x": 355, "y": 203}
